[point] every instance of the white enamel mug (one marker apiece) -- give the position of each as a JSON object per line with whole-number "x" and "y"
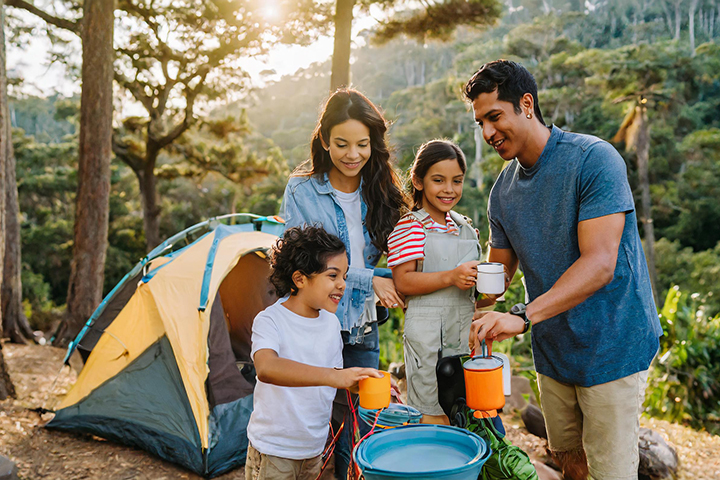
{"x": 491, "y": 278}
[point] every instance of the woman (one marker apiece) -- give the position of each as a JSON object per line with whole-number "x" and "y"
{"x": 349, "y": 187}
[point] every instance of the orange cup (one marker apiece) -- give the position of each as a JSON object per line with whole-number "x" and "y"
{"x": 375, "y": 392}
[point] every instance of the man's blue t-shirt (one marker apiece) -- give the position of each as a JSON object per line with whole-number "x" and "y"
{"x": 535, "y": 211}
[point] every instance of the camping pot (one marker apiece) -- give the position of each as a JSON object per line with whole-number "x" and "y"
{"x": 491, "y": 278}
{"x": 487, "y": 381}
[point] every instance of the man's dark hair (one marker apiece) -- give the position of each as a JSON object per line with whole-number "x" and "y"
{"x": 305, "y": 249}
{"x": 510, "y": 79}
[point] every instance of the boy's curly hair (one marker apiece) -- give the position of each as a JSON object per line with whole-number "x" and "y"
{"x": 305, "y": 249}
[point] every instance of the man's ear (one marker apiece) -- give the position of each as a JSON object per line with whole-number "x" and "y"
{"x": 299, "y": 279}
{"x": 417, "y": 183}
{"x": 527, "y": 104}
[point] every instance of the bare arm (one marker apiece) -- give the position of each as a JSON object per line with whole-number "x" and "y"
{"x": 272, "y": 369}
{"x": 599, "y": 240}
{"x": 410, "y": 282}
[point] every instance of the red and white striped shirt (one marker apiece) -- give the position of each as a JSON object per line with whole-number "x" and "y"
{"x": 407, "y": 240}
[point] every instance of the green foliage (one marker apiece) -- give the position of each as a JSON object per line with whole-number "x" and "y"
{"x": 684, "y": 384}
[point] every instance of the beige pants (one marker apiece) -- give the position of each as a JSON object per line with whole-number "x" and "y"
{"x": 603, "y": 419}
{"x": 267, "y": 467}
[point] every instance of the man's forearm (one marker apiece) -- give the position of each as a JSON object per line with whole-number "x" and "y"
{"x": 584, "y": 277}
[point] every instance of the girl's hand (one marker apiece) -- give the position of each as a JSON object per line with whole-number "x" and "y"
{"x": 464, "y": 276}
{"x": 349, "y": 377}
{"x": 386, "y": 292}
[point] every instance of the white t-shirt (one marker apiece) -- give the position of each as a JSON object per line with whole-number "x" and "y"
{"x": 350, "y": 203}
{"x": 292, "y": 422}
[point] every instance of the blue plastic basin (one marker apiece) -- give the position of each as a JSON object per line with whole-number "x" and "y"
{"x": 422, "y": 452}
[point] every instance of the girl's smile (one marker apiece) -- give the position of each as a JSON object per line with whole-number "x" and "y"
{"x": 441, "y": 187}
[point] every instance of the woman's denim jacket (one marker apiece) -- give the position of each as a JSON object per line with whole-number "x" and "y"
{"x": 312, "y": 201}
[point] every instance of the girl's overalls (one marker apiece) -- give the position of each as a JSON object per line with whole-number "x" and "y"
{"x": 438, "y": 323}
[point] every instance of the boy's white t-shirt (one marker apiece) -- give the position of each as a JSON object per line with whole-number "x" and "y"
{"x": 350, "y": 204}
{"x": 292, "y": 422}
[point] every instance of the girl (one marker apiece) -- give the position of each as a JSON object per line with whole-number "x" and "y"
{"x": 434, "y": 253}
{"x": 348, "y": 187}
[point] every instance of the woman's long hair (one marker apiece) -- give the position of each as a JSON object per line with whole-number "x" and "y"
{"x": 382, "y": 189}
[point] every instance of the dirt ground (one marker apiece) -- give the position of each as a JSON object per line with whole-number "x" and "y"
{"x": 41, "y": 453}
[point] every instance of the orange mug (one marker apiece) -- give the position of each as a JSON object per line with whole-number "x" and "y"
{"x": 375, "y": 392}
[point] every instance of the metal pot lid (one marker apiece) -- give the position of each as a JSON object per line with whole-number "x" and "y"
{"x": 483, "y": 363}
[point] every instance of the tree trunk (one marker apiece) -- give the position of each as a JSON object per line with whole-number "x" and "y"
{"x": 643, "y": 150}
{"x": 678, "y": 18}
{"x": 95, "y": 146}
{"x": 6, "y": 386}
{"x": 478, "y": 158}
{"x": 15, "y": 323}
{"x": 691, "y": 26}
{"x": 148, "y": 193}
{"x": 341, "y": 51}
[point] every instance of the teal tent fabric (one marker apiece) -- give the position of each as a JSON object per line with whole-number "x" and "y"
{"x": 125, "y": 410}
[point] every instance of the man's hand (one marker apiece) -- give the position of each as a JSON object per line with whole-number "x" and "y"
{"x": 494, "y": 326}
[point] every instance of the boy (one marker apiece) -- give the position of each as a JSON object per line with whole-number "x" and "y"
{"x": 296, "y": 342}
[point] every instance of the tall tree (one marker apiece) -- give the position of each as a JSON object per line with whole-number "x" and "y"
{"x": 178, "y": 56}
{"x": 433, "y": 19}
{"x": 635, "y": 133}
{"x": 14, "y": 322}
{"x": 6, "y": 386}
{"x": 95, "y": 150}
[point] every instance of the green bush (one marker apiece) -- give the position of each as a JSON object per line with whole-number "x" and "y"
{"x": 684, "y": 384}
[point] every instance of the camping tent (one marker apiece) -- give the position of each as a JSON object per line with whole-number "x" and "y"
{"x": 163, "y": 348}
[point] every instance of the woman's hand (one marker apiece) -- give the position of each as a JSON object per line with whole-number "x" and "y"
{"x": 464, "y": 276}
{"x": 386, "y": 292}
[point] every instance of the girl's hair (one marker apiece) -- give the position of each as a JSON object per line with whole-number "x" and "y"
{"x": 382, "y": 188}
{"x": 429, "y": 154}
{"x": 305, "y": 249}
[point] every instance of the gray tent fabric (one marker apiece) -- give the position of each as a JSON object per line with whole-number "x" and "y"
{"x": 225, "y": 382}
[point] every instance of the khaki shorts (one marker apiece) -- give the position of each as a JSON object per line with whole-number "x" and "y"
{"x": 267, "y": 467}
{"x": 603, "y": 419}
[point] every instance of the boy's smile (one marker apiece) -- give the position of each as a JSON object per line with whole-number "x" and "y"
{"x": 320, "y": 291}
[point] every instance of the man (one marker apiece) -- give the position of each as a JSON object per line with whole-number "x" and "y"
{"x": 563, "y": 212}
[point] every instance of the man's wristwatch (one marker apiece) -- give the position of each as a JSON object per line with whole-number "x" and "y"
{"x": 519, "y": 310}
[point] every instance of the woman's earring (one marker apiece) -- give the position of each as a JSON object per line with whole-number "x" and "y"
{"x": 529, "y": 116}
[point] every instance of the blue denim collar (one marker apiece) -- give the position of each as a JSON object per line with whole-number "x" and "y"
{"x": 324, "y": 187}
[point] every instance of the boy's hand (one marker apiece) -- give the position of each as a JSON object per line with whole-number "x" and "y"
{"x": 349, "y": 377}
{"x": 464, "y": 276}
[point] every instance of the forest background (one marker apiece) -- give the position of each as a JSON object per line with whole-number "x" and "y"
{"x": 643, "y": 74}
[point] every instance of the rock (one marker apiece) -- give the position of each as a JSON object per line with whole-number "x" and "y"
{"x": 8, "y": 470}
{"x": 658, "y": 460}
{"x": 546, "y": 473}
{"x": 521, "y": 390}
{"x": 534, "y": 422}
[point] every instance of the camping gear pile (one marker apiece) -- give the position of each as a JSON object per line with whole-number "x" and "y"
{"x": 162, "y": 350}
{"x": 488, "y": 381}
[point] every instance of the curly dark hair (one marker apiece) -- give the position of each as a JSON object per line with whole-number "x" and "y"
{"x": 305, "y": 249}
